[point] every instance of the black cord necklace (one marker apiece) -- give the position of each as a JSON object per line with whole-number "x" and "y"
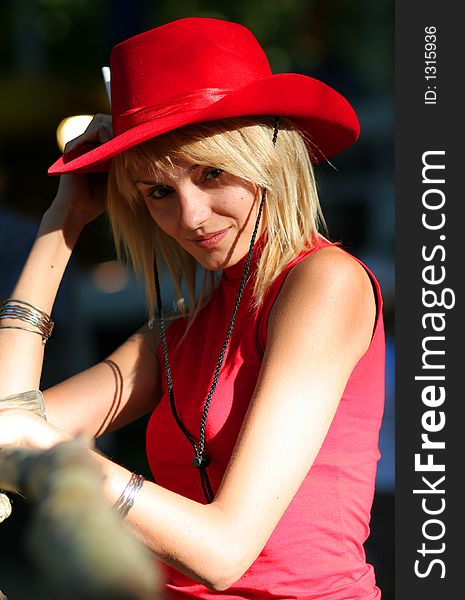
{"x": 201, "y": 460}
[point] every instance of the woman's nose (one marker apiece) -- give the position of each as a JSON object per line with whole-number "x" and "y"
{"x": 195, "y": 208}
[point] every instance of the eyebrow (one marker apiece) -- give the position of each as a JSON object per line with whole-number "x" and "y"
{"x": 152, "y": 182}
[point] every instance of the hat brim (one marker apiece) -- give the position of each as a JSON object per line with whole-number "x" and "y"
{"x": 325, "y": 117}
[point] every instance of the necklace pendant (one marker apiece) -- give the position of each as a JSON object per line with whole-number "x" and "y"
{"x": 201, "y": 461}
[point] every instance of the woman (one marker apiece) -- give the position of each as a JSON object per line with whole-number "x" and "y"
{"x": 266, "y": 394}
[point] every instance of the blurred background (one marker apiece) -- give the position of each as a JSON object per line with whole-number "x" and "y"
{"x": 51, "y": 54}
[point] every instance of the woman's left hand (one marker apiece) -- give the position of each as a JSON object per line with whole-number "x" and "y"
{"x": 23, "y": 428}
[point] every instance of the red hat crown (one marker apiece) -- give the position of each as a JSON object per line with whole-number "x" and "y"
{"x": 214, "y": 57}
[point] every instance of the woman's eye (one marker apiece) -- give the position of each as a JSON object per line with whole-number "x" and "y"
{"x": 212, "y": 173}
{"x": 158, "y": 192}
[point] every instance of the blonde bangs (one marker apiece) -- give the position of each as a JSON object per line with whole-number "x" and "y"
{"x": 242, "y": 147}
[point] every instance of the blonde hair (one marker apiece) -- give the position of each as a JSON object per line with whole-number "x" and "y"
{"x": 243, "y": 147}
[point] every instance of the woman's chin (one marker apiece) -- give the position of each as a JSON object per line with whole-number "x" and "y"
{"x": 214, "y": 265}
{"x": 218, "y": 261}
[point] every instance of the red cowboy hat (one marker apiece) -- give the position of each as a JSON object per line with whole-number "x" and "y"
{"x": 199, "y": 69}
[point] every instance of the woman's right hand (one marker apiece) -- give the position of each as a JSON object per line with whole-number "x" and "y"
{"x": 19, "y": 427}
{"x": 81, "y": 198}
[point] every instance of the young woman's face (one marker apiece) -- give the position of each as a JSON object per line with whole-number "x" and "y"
{"x": 209, "y": 212}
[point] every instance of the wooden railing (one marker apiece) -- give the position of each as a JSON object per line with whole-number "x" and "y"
{"x": 76, "y": 540}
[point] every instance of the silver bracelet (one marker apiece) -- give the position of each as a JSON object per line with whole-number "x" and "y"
{"x": 14, "y": 308}
{"x": 32, "y": 400}
{"x": 126, "y": 501}
{"x": 33, "y": 306}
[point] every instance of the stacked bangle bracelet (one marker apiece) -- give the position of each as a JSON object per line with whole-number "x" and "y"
{"x": 13, "y": 308}
{"x": 126, "y": 501}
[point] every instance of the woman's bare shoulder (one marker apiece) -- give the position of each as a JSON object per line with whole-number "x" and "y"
{"x": 332, "y": 272}
{"x": 331, "y": 263}
{"x": 329, "y": 290}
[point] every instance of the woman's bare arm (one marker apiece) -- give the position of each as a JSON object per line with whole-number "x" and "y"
{"x": 22, "y": 352}
{"x": 110, "y": 394}
{"x": 75, "y": 205}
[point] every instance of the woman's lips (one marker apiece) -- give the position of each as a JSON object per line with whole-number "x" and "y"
{"x": 210, "y": 240}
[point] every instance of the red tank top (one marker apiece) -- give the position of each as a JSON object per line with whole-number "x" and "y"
{"x": 316, "y": 550}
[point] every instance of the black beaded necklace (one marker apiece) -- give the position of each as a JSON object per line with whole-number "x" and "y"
{"x": 201, "y": 460}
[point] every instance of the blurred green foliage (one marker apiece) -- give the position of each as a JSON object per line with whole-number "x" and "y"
{"x": 71, "y": 38}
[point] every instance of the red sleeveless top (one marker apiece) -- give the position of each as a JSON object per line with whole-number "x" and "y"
{"x": 316, "y": 550}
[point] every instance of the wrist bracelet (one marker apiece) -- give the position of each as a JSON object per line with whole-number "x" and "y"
{"x": 32, "y": 400}
{"x": 126, "y": 501}
{"x": 16, "y": 309}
